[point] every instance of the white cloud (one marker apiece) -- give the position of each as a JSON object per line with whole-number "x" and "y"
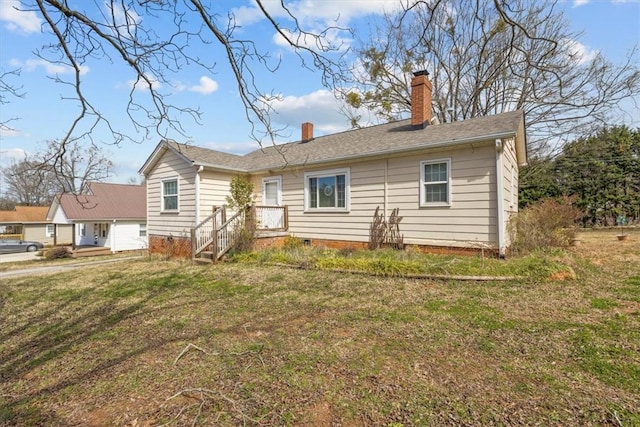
{"x": 205, "y": 87}
{"x": 320, "y": 108}
{"x": 579, "y": 52}
{"x": 578, "y": 3}
{"x": 331, "y": 19}
{"x": 331, "y": 38}
{"x": 142, "y": 85}
{"x": 233, "y": 147}
{"x": 310, "y": 11}
{"x": 247, "y": 15}
{"x": 17, "y": 19}
{"x": 128, "y": 18}
{"x": 10, "y": 155}
{"x": 49, "y": 67}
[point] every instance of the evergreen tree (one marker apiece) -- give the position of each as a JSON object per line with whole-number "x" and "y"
{"x": 602, "y": 173}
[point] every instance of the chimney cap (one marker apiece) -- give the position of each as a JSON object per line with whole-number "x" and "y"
{"x": 420, "y": 73}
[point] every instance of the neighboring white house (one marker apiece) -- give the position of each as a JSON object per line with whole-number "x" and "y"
{"x": 455, "y": 184}
{"x": 105, "y": 215}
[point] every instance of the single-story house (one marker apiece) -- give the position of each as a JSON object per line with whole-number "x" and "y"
{"x": 30, "y": 223}
{"x": 111, "y": 216}
{"x": 455, "y": 184}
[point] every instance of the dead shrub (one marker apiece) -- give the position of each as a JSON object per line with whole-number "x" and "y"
{"x": 550, "y": 223}
{"x": 58, "y": 252}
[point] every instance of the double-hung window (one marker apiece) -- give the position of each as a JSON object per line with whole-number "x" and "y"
{"x": 435, "y": 182}
{"x": 170, "y": 194}
{"x": 327, "y": 190}
{"x": 51, "y": 229}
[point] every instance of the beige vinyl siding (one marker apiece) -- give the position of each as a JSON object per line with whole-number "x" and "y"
{"x": 366, "y": 189}
{"x": 214, "y": 189}
{"x": 37, "y": 233}
{"x": 174, "y": 223}
{"x": 470, "y": 220}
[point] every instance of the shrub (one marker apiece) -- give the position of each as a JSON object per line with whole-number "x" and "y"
{"x": 292, "y": 243}
{"x": 549, "y": 223}
{"x": 57, "y": 253}
{"x": 241, "y": 189}
{"x": 245, "y": 239}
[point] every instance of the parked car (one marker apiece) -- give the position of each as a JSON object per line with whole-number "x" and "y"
{"x": 15, "y": 245}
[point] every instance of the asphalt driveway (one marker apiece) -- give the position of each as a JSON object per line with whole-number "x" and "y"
{"x": 19, "y": 256}
{"x": 32, "y": 270}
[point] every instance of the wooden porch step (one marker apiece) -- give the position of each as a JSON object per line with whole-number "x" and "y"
{"x": 206, "y": 257}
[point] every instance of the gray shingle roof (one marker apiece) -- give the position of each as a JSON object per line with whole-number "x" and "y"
{"x": 387, "y": 138}
{"x": 209, "y": 157}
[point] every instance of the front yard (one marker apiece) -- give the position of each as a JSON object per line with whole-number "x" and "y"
{"x": 153, "y": 342}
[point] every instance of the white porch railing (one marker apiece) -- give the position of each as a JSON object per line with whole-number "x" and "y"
{"x": 202, "y": 235}
{"x": 271, "y": 218}
{"x": 221, "y": 234}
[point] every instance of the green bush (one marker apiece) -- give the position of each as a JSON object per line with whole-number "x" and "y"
{"x": 58, "y": 252}
{"x": 549, "y": 223}
{"x": 292, "y": 242}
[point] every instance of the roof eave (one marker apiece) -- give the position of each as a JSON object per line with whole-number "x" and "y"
{"x": 431, "y": 145}
{"x": 221, "y": 167}
{"x": 160, "y": 149}
{"x": 107, "y": 219}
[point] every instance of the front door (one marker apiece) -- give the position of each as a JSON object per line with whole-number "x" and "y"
{"x": 271, "y": 197}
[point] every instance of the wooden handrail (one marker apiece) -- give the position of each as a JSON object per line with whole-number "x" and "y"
{"x": 203, "y": 234}
{"x": 222, "y": 234}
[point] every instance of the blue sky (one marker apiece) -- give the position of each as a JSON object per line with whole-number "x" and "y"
{"x": 609, "y": 26}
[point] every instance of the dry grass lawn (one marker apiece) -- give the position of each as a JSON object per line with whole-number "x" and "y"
{"x": 152, "y": 342}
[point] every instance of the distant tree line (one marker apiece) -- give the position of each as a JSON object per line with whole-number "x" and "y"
{"x": 600, "y": 172}
{"x": 35, "y": 179}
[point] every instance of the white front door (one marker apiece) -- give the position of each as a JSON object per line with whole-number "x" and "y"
{"x": 271, "y": 197}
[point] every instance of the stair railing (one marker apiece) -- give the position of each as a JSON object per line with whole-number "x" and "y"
{"x": 203, "y": 234}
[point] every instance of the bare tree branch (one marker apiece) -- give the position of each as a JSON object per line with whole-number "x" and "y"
{"x": 157, "y": 39}
{"x": 7, "y": 91}
{"x": 489, "y": 57}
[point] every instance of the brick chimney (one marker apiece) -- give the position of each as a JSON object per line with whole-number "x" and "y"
{"x": 307, "y": 132}
{"x": 420, "y": 100}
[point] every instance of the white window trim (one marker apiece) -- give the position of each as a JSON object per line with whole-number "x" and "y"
{"x": 278, "y": 179}
{"x": 425, "y": 204}
{"x": 53, "y": 230}
{"x": 141, "y": 228}
{"x": 325, "y": 173}
{"x": 162, "y": 209}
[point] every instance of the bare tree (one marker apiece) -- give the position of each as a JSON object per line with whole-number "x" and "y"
{"x": 78, "y": 166}
{"x": 36, "y": 179}
{"x": 490, "y": 57}
{"x": 28, "y": 182}
{"x": 157, "y": 38}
